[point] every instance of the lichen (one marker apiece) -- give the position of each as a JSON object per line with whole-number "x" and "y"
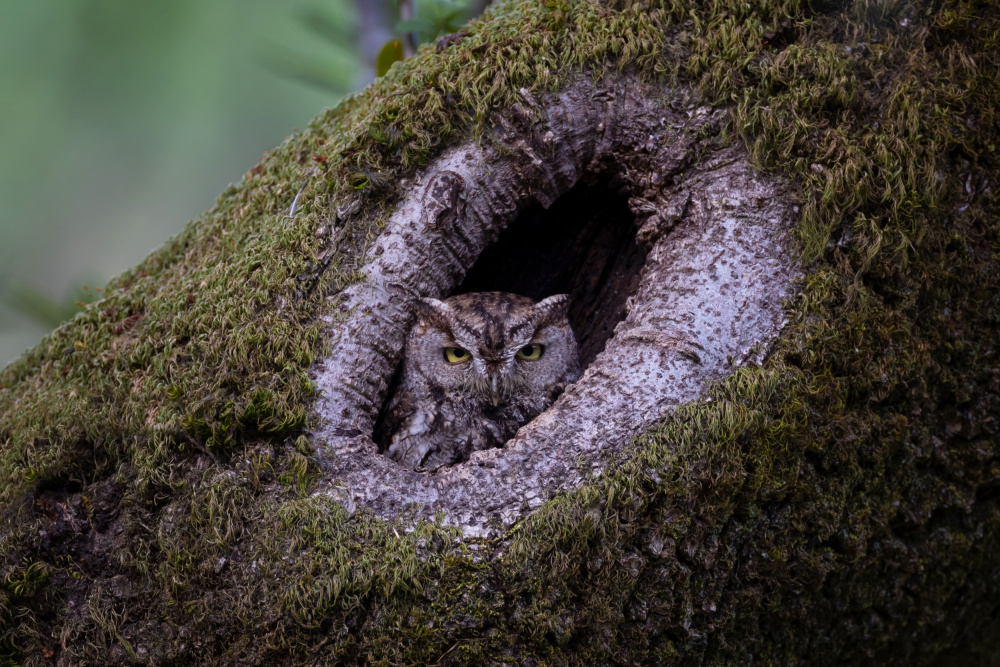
{"x": 838, "y": 504}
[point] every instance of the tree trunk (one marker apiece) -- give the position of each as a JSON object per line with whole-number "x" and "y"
{"x": 778, "y": 230}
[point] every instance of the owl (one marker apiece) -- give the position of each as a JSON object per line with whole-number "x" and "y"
{"x": 477, "y": 367}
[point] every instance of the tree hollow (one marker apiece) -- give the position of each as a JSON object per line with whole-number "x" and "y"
{"x": 676, "y": 252}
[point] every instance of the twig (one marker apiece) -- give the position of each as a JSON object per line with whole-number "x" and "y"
{"x": 295, "y": 202}
{"x": 454, "y": 646}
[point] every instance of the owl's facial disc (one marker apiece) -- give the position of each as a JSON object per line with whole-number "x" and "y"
{"x": 495, "y": 370}
{"x": 493, "y": 374}
{"x": 492, "y": 345}
{"x": 495, "y": 388}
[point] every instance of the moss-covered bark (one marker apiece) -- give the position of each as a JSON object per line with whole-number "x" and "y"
{"x": 838, "y": 504}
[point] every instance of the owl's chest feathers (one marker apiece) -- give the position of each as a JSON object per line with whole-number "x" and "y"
{"x": 448, "y": 428}
{"x": 460, "y": 413}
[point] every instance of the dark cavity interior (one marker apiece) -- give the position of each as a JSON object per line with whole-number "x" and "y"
{"x": 583, "y": 245}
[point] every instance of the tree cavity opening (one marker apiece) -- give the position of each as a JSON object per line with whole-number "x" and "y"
{"x": 583, "y": 245}
{"x": 677, "y": 255}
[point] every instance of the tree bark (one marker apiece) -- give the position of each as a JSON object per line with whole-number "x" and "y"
{"x": 778, "y": 227}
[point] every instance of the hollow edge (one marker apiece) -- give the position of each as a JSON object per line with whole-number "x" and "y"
{"x": 710, "y": 299}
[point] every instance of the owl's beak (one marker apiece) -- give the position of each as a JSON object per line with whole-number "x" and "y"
{"x": 495, "y": 387}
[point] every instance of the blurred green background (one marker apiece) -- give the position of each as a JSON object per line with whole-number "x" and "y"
{"x": 120, "y": 120}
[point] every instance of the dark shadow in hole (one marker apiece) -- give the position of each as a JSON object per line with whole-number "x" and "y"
{"x": 381, "y": 435}
{"x": 583, "y": 245}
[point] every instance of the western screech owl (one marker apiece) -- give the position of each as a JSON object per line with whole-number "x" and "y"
{"x": 477, "y": 367}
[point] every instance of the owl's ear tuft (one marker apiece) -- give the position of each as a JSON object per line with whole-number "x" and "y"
{"x": 552, "y": 310}
{"x": 433, "y": 312}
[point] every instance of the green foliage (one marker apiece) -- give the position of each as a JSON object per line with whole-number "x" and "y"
{"x": 391, "y": 53}
{"x": 829, "y": 506}
{"x": 435, "y": 18}
{"x": 122, "y": 120}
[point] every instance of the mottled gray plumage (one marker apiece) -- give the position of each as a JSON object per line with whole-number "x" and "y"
{"x": 444, "y": 410}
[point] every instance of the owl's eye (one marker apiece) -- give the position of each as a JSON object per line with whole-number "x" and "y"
{"x": 456, "y": 355}
{"x": 531, "y": 352}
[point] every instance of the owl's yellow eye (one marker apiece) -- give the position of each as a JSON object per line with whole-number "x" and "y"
{"x": 531, "y": 352}
{"x": 456, "y": 355}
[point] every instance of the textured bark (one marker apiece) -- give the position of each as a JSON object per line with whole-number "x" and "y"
{"x": 718, "y": 264}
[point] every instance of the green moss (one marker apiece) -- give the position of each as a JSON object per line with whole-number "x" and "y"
{"x": 849, "y": 485}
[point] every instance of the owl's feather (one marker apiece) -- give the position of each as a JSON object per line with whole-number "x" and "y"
{"x": 441, "y": 412}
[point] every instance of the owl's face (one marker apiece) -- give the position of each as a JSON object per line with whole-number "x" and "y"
{"x": 494, "y": 346}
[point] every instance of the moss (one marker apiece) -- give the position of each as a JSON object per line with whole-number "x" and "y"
{"x": 826, "y": 507}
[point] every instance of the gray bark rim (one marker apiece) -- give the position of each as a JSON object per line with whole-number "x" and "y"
{"x": 721, "y": 260}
